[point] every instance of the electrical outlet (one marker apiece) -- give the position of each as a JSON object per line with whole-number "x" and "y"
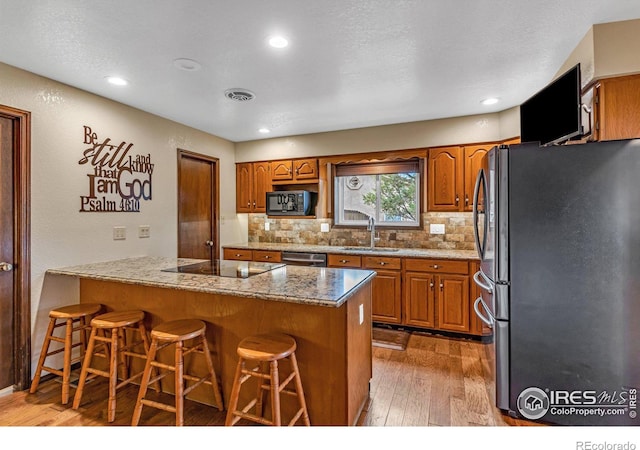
{"x": 361, "y": 313}
{"x": 144, "y": 231}
{"x": 324, "y": 227}
{"x": 436, "y": 228}
{"x": 119, "y": 233}
{"x": 267, "y": 226}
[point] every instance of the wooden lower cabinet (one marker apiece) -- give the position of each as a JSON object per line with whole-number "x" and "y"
{"x": 420, "y": 299}
{"x": 237, "y": 254}
{"x": 437, "y": 300}
{"x": 386, "y": 295}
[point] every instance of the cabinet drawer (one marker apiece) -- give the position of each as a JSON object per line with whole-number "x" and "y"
{"x": 381, "y": 262}
{"x": 344, "y": 260}
{"x": 437, "y": 265}
{"x": 267, "y": 256}
{"x": 238, "y": 254}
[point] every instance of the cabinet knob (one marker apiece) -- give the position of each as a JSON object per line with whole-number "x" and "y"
{"x": 435, "y": 266}
{"x": 248, "y": 204}
{"x": 238, "y": 255}
{"x": 466, "y": 199}
{"x": 267, "y": 257}
{"x": 209, "y": 243}
{"x": 344, "y": 261}
{"x": 431, "y": 284}
{"x": 6, "y": 267}
{"x": 457, "y": 199}
{"x": 441, "y": 286}
{"x": 382, "y": 263}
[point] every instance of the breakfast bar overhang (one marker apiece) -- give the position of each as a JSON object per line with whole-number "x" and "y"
{"x": 327, "y": 311}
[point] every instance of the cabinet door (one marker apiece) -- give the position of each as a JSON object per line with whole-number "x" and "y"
{"x": 444, "y": 179}
{"x": 305, "y": 169}
{"x": 453, "y": 303}
{"x": 281, "y": 170}
{"x": 386, "y": 297}
{"x": 420, "y": 299}
{"x": 244, "y": 187}
{"x": 472, "y": 163}
{"x": 618, "y": 115}
{"x": 261, "y": 185}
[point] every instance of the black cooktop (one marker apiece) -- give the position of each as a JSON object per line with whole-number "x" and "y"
{"x": 223, "y": 268}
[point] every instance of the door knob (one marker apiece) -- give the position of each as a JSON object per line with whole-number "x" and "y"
{"x": 6, "y": 267}
{"x": 209, "y": 243}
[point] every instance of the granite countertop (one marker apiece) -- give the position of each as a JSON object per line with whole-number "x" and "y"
{"x": 400, "y": 252}
{"x": 309, "y": 285}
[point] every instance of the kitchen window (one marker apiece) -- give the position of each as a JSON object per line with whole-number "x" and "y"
{"x": 387, "y": 191}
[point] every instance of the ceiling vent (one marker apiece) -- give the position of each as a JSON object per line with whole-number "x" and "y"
{"x": 239, "y": 95}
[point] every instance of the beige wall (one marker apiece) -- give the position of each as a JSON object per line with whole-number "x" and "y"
{"x": 60, "y": 234}
{"x": 432, "y": 133}
{"x": 608, "y": 49}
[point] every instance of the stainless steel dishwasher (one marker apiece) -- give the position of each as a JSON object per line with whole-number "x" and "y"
{"x": 304, "y": 259}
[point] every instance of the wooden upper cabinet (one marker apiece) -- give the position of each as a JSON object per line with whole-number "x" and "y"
{"x": 253, "y": 181}
{"x": 244, "y": 187}
{"x": 445, "y": 179}
{"x": 472, "y": 163}
{"x": 281, "y": 170}
{"x": 305, "y": 169}
{"x": 616, "y": 111}
{"x": 294, "y": 171}
{"x": 261, "y": 185}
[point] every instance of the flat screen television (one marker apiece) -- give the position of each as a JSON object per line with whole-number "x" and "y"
{"x": 553, "y": 115}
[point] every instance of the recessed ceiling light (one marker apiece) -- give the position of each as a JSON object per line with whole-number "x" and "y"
{"x": 264, "y": 130}
{"x": 117, "y": 81}
{"x": 278, "y": 41}
{"x": 490, "y": 101}
{"x": 186, "y": 64}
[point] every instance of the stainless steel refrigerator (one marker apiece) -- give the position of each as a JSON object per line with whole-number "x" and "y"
{"x": 558, "y": 234}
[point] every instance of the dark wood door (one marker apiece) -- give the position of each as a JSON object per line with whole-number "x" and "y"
{"x": 7, "y": 314}
{"x": 197, "y": 206}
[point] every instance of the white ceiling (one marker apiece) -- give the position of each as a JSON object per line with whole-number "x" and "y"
{"x": 350, "y": 63}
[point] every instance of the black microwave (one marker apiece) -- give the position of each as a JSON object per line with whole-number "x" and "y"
{"x": 290, "y": 203}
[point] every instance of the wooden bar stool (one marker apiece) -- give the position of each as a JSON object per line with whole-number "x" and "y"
{"x": 109, "y": 340}
{"x": 177, "y": 332}
{"x": 65, "y": 316}
{"x": 265, "y": 348}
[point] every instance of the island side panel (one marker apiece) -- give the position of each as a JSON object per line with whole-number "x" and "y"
{"x": 321, "y": 334}
{"x": 359, "y": 351}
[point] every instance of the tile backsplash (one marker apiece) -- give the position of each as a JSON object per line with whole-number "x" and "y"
{"x": 458, "y": 232}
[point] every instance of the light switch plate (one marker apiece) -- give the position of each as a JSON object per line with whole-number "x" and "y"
{"x": 144, "y": 231}
{"x": 361, "y": 311}
{"x": 436, "y": 228}
{"x": 119, "y": 233}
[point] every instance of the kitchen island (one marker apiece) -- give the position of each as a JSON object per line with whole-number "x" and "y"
{"x": 327, "y": 311}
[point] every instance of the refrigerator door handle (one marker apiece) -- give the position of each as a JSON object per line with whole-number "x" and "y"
{"x": 486, "y": 285}
{"x": 476, "y": 212}
{"x": 476, "y": 307}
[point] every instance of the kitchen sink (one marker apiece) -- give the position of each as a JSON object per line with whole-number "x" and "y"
{"x": 369, "y": 249}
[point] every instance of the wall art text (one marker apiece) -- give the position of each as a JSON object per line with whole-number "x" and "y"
{"x": 118, "y": 179}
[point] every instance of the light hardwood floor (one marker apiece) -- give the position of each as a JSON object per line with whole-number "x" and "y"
{"x": 436, "y": 381}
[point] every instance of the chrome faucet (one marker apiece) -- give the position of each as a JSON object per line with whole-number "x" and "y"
{"x": 372, "y": 228}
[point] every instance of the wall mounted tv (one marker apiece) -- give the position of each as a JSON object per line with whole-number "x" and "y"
{"x": 553, "y": 115}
